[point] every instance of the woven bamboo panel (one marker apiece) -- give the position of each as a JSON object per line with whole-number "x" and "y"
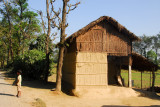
{"x": 85, "y": 57}
{"x": 104, "y": 38}
{"x": 91, "y": 69}
{"x": 95, "y": 80}
{"x": 69, "y": 78}
{"x": 91, "y": 87}
{"x": 69, "y": 68}
{"x": 70, "y": 57}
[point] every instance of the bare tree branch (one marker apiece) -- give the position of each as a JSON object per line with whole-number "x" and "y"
{"x": 71, "y": 7}
{"x": 55, "y": 25}
{"x": 54, "y": 35}
{"x": 41, "y": 14}
{"x": 56, "y": 14}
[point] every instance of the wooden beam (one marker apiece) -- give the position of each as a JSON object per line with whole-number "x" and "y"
{"x": 130, "y": 72}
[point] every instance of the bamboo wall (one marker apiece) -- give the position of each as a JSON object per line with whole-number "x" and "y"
{"x": 104, "y": 37}
{"x": 69, "y": 65}
{"x": 91, "y": 70}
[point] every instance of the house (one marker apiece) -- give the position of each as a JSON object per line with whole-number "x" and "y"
{"x": 96, "y": 54}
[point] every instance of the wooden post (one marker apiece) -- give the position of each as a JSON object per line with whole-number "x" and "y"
{"x": 153, "y": 80}
{"x": 130, "y": 72}
{"x": 150, "y": 78}
{"x": 141, "y": 79}
{"x": 130, "y": 76}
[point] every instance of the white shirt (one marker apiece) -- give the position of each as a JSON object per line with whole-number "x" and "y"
{"x": 19, "y": 80}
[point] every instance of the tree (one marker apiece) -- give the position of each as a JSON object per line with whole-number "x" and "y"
{"x": 148, "y": 47}
{"x": 26, "y": 25}
{"x": 143, "y": 46}
{"x": 63, "y": 26}
{"x": 156, "y": 45}
{"x": 3, "y": 45}
{"x": 8, "y": 14}
{"x": 151, "y": 55}
{"x": 47, "y": 33}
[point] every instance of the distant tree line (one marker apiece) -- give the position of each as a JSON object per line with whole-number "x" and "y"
{"x": 148, "y": 47}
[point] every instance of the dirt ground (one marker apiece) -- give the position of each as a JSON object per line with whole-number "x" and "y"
{"x": 32, "y": 90}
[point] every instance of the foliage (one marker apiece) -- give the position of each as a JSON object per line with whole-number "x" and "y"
{"x": 151, "y": 55}
{"x": 148, "y": 47}
{"x": 22, "y": 44}
{"x": 39, "y": 44}
{"x": 32, "y": 63}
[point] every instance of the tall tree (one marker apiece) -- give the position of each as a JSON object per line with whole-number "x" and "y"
{"x": 3, "y": 45}
{"x": 62, "y": 22}
{"x": 26, "y": 25}
{"x": 8, "y": 13}
{"x": 143, "y": 46}
{"x": 47, "y": 32}
{"x": 156, "y": 44}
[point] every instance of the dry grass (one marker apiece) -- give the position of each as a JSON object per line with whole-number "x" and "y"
{"x": 39, "y": 103}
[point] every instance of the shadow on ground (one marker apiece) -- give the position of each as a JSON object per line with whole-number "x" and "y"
{"x": 148, "y": 94}
{"x": 6, "y": 94}
{"x": 129, "y": 106}
{"x": 28, "y": 83}
{"x": 39, "y": 84}
{"x": 66, "y": 88}
{"x": 4, "y": 84}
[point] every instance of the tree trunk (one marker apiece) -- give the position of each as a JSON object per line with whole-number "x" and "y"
{"x": 10, "y": 31}
{"x": 153, "y": 80}
{"x": 156, "y": 56}
{"x": 8, "y": 56}
{"x": 47, "y": 42}
{"x": 59, "y": 69}
{"x": 61, "y": 48}
{"x": 10, "y": 45}
{"x": 2, "y": 62}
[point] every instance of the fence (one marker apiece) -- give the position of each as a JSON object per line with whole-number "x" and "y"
{"x": 141, "y": 80}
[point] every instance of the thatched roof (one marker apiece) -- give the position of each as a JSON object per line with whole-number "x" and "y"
{"x": 112, "y": 21}
{"x": 142, "y": 64}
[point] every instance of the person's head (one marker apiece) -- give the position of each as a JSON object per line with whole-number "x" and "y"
{"x": 19, "y": 72}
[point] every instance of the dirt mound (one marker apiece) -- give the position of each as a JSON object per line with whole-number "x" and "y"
{"x": 109, "y": 92}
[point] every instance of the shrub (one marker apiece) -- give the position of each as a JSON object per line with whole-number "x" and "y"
{"x": 32, "y": 64}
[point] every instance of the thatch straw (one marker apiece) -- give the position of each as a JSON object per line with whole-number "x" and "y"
{"x": 141, "y": 63}
{"x": 112, "y": 21}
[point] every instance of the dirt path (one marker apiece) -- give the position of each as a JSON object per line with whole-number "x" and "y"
{"x": 31, "y": 90}
{"x": 7, "y": 95}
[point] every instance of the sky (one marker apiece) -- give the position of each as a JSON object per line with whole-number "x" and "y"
{"x": 138, "y": 16}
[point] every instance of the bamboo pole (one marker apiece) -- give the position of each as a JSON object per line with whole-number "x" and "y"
{"x": 130, "y": 76}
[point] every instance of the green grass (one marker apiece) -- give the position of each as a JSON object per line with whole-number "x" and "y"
{"x": 136, "y": 76}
